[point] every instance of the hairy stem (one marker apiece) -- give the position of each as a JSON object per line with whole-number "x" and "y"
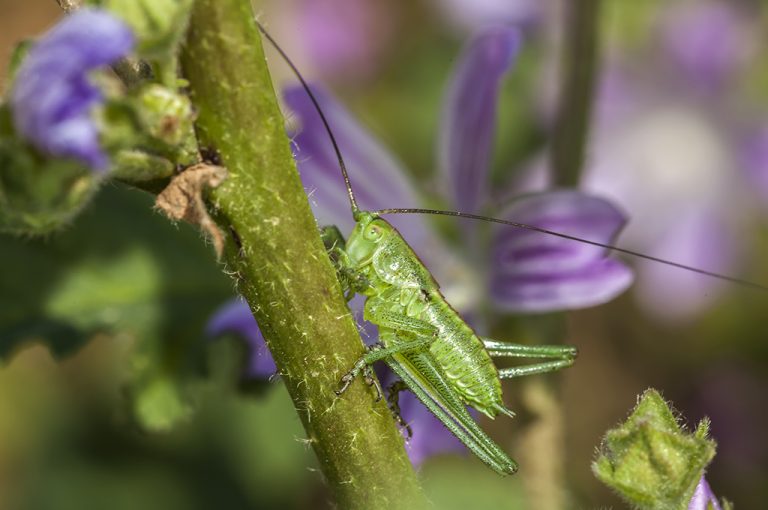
{"x": 281, "y": 265}
{"x": 579, "y": 65}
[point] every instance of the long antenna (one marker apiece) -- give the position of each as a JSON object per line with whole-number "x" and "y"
{"x": 356, "y": 209}
{"x": 731, "y": 279}
{"x": 347, "y": 182}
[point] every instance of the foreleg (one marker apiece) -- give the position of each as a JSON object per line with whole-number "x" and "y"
{"x": 379, "y": 352}
{"x": 412, "y": 335}
{"x": 352, "y": 281}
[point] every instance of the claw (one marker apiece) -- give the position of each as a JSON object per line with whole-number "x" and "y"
{"x": 345, "y": 381}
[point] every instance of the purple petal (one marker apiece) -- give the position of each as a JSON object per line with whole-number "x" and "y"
{"x": 754, "y": 155}
{"x": 703, "y": 498}
{"x": 472, "y": 14}
{"x": 708, "y": 41}
{"x": 430, "y": 436}
{"x": 236, "y": 318}
{"x": 344, "y": 38}
{"x": 469, "y": 115}
{"x": 368, "y": 331}
{"x": 377, "y": 178}
{"x": 52, "y": 97}
{"x": 700, "y": 237}
{"x": 536, "y": 272}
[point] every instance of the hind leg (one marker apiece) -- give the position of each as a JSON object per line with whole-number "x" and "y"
{"x": 563, "y": 356}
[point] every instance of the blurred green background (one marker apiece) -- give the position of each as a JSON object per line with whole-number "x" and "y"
{"x": 125, "y": 296}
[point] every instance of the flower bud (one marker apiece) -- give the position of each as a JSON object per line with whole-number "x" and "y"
{"x": 650, "y": 460}
{"x": 167, "y": 118}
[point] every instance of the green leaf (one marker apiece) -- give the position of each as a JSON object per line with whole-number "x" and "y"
{"x": 126, "y": 272}
{"x": 39, "y": 195}
{"x": 158, "y": 24}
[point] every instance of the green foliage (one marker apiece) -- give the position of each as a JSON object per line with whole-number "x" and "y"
{"x": 650, "y": 460}
{"x": 453, "y": 484}
{"x": 124, "y": 272}
{"x": 158, "y": 24}
{"x": 38, "y": 195}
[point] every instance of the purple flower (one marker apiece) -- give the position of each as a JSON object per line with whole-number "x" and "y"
{"x": 475, "y": 14}
{"x": 680, "y": 209}
{"x": 430, "y": 436}
{"x": 737, "y": 423}
{"x": 537, "y": 272}
{"x": 674, "y": 157}
{"x": 343, "y": 37}
{"x": 469, "y": 116}
{"x": 703, "y": 498}
{"x": 709, "y": 42}
{"x": 553, "y": 274}
{"x": 754, "y": 157}
{"x": 52, "y": 97}
{"x": 671, "y": 158}
{"x": 235, "y": 318}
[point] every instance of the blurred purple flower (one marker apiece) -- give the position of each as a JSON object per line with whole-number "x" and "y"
{"x": 754, "y": 158}
{"x": 235, "y": 318}
{"x": 430, "y": 436}
{"x": 343, "y": 37}
{"x": 708, "y": 41}
{"x": 535, "y": 272}
{"x": 472, "y": 15}
{"x": 469, "y": 116}
{"x": 554, "y": 274}
{"x": 703, "y": 498}
{"x": 672, "y": 156}
{"x": 52, "y": 97}
{"x": 739, "y": 424}
{"x": 671, "y": 165}
{"x": 669, "y": 158}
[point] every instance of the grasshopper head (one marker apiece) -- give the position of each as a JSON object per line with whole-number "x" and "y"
{"x": 370, "y": 231}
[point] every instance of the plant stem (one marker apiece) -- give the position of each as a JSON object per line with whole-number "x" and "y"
{"x": 579, "y": 64}
{"x": 282, "y": 267}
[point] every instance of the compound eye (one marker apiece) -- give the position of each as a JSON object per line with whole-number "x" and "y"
{"x": 373, "y": 232}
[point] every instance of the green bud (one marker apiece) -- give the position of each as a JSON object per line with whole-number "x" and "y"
{"x": 153, "y": 120}
{"x": 139, "y": 167}
{"x": 38, "y": 195}
{"x": 650, "y": 460}
{"x": 159, "y": 25}
{"x": 165, "y": 114}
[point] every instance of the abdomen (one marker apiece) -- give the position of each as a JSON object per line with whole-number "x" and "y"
{"x": 463, "y": 357}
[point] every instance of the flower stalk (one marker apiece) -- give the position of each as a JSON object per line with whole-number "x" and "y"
{"x": 578, "y": 70}
{"x": 281, "y": 265}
